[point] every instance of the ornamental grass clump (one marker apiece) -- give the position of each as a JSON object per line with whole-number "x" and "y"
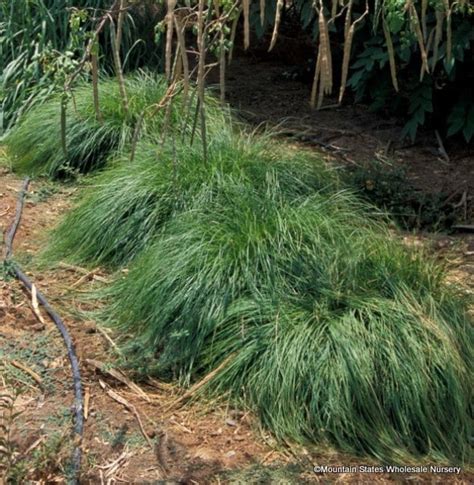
{"x": 127, "y": 204}
{"x": 311, "y": 314}
{"x": 36, "y": 144}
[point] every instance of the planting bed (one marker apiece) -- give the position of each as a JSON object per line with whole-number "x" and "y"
{"x": 253, "y": 273}
{"x": 241, "y": 301}
{"x": 215, "y": 444}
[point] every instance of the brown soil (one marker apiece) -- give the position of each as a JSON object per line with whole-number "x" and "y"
{"x": 199, "y": 442}
{"x": 258, "y": 90}
{"x": 190, "y": 444}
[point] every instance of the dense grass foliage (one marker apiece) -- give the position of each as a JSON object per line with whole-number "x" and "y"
{"x": 314, "y": 316}
{"x": 126, "y": 205}
{"x": 255, "y": 267}
{"x": 35, "y": 144}
{"x": 251, "y": 267}
{"x": 39, "y": 40}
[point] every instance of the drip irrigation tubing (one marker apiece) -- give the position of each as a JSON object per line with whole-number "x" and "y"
{"x": 16, "y": 271}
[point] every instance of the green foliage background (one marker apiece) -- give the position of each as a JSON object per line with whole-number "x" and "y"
{"x": 41, "y": 41}
{"x": 443, "y": 99}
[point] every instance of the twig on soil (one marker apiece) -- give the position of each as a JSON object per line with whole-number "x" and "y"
{"x": 87, "y": 397}
{"x": 462, "y": 203}
{"x": 464, "y": 227}
{"x": 314, "y": 140}
{"x": 267, "y": 456}
{"x": 188, "y": 394}
{"x": 287, "y": 122}
{"x": 35, "y": 306}
{"x": 28, "y": 284}
{"x": 162, "y": 386}
{"x": 329, "y": 106}
{"x": 34, "y": 445}
{"x": 36, "y": 377}
{"x": 442, "y": 150}
{"x": 112, "y": 467}
{"x": 109, "y": 340}
{"x": 181, "y": 426}
{"x": 90, "y": 275}
{"x": 121, "y": 400}
{"x": 71, "y": 267}
{"x": 83, "y": 271}
{"x": 119, "y": 376}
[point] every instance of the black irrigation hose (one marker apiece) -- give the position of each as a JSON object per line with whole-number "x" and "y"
{"x": 10, "y": 236}
{"x": 18, "y": 273}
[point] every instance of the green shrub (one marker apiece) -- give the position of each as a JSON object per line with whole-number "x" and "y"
{"x": 125, "y": 206}
{"x": 308, "y": 311}
{"x": 35, "y": 146}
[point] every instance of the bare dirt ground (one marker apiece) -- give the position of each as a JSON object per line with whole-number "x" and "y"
{"x": 259, "y": 89}
{"x": 192, "y": 444}
{"x": 182, "y": 442}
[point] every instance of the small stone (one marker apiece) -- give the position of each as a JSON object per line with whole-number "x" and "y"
{"x": 89, "y": 327}
{"x": 443, "y": 243}
{"x": 236, "y": 414}
{"x": 231, "y": 422}
{"x": 216, "y": 432}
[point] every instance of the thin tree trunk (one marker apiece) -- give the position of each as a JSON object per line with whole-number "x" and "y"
{"x": 116, "y": 43}
{"x": 95, "y": 86}
{"x": 201, "y": 68}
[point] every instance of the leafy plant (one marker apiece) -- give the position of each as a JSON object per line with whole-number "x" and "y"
{"x": 407, "y": 59}
{"x": 461, "y": 118}
{"x": 432, "y": 98}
